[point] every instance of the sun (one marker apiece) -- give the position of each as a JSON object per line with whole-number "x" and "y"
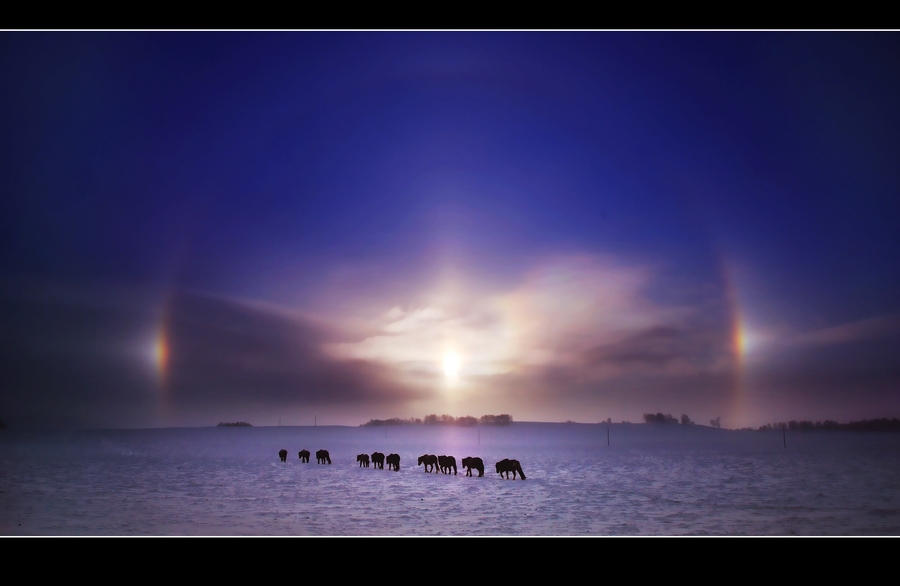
{"x": 451, "y": 366}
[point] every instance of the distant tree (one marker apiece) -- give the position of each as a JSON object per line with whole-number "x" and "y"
{"x": 467, "y": 421}
{"x": 392, "y": 421}
{"x": 717, "y": 422}
{"x": 431, "y": 419}
{"x": 685, "y": 420}
{"x": 503, "y": 419}
{"x": 659, "y": 418}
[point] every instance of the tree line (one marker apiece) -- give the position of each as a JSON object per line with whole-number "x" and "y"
{"x": 883, "y": 424}
{"x": 685, "y": 420}
{"x": 433, "y": 419}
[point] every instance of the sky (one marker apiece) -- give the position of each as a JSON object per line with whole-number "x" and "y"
{"x": 331, "y": 227}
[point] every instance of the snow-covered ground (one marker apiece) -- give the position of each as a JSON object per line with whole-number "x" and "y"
{"x": 650, "y": 480}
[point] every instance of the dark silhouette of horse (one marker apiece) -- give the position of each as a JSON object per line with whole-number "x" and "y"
{"x": 378, "y": 460}
{"x": 393, "y": 462}
{"x": 506, "y": 465}
{"x": 446, "y": 463}
{"x": 363, "y": 460}
{"x": 475, "y": 463}
{"x": 283, "y": 455}
{"x": 322, "y": 457}
{"x": 304, "y": 456}
{"x": 428, "y": 460}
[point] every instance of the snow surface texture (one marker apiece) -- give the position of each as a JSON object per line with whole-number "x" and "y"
{"x": 651, "y": 480}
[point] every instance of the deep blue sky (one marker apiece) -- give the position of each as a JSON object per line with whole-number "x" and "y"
{"x": 208, "y": 226}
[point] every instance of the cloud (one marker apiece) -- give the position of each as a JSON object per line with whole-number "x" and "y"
{"x": 670, "y": 349}
{"x": 228, "y": 351}
{"x": 866, "y": 329}
{"x": 76, "y": 356}
{"x": 84, "y": 356}
{"x": 571, "y": 325}
{"x": 581, "y": 334}
{"x": 841, "y": 372}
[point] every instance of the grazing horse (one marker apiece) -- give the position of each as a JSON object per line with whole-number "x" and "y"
{"x": 475, "y": 463}
{"x": 506, "y": 465}
{"x": 363, "y": 460}
{"x": 304, "y": 456}
{"x": 446, "y": 463}
{"x": 393, "y": 462}
{"x": 378, "y": 460}
{"x": 283, "y": 455}
{"x": 322, "y": 457}
{"x": 428, "y": 460}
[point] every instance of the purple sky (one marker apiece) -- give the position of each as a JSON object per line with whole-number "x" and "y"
{"x": 199, "y": 227}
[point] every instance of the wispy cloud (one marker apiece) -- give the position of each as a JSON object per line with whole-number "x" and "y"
{"x": 569, "y": 321}
{"x": 865, "y": 329}
{"x": 224, "y": 350}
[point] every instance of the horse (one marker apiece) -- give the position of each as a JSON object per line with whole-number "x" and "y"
{"x": 378, "y": 460}
{"x": 393, "y": 462}
{"x": 428, "y": 460}
{"x": 322, "y": 457}
{"x": 283, "y": 455}
{"x": 475, "y": 463}
{"x": 304, "y": 456}
{"x": 447, "y": 462}
{"x": 363, "y": 460}
{"x": 506, "y": 465}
